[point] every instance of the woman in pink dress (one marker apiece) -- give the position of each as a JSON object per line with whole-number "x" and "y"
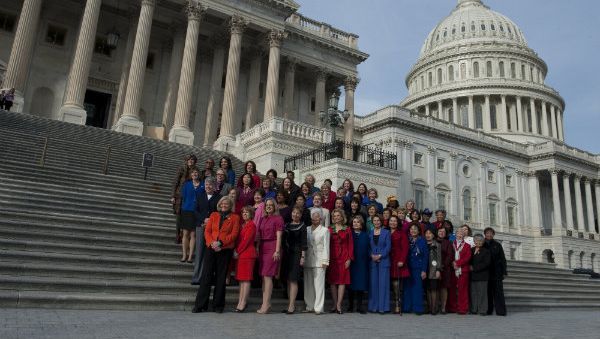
{"x": 269, "y": 235}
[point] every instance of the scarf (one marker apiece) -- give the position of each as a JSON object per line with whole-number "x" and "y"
{"x": 458, "y": 246}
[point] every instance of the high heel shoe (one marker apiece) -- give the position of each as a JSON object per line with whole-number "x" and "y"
{"x": 237, "y": 310}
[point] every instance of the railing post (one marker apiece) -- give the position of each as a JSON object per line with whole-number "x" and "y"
{"x": 44, "y": 150}
{"x": 106, "y": 160}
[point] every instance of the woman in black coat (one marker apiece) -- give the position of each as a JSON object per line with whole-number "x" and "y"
{"x": 480, "y": 272}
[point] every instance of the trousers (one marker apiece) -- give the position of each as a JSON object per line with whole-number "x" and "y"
{"x": 216, "y": 263}
{"x": 314, "y": 288}
{"x": 200, "y": 248}
{"x": 479, "y": 297}
{"x": 495, "y": 296}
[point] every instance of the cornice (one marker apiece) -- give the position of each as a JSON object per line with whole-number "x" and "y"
{"x": 357, "y": 55}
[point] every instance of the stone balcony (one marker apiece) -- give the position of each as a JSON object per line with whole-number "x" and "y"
{"x": 323, "y": 30}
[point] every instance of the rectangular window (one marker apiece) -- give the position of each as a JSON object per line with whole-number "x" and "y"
{"x": 510, "y": 211}
{"x": 463, "y": 71}
{"x": 501, "y": 68}
{"x": 418, "y": 159}
{"x": 312, "y": 103}
{"x": 493, "y": 120}
{"x": 7, "y": 21}
{"x": 441, "y": 164}
{"x": 476, "y": 70}
{"x": 488, "y": 68}
{"x": 101, "y": 47}
{"x": 509, "y": 180}
{"x": 492, "y": 207}
{"x": 523, "y": 72}
{"x": 441, "y": 201}
{"x": 491, "y": 176}
{"x": 513, "y": 70}
{"x": 478, "y": 117}
{"x": 430, "y": 79}
{"x": 419, "y": 198}
{"x": 56, "y": 35}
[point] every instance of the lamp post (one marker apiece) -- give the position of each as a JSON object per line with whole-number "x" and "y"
{"x": 334, "y": 118}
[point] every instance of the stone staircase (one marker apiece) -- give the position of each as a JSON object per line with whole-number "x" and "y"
{"x": 73, "y": 237}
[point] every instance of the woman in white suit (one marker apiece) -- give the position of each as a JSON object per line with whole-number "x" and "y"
{"x": 315, "y": 263}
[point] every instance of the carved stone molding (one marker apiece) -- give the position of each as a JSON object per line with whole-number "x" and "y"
{"x": 194, "y": 10}
{"x": 275, "y": 37}
{"x": 237, "y": 24}
{"x": 350, "y": 83}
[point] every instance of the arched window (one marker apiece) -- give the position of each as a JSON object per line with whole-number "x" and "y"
{"x": 450, "y": 73}
{"x": 430, "y": 79}
{"x": 464, "y": 115}
{"x": 513, "y": 70}
{"x": 463, "y": 71}
{"x": 463, "y": 29}
{"x": 439, "y": 76}
{"x": 501, "y": 67}
{"x": 478, "y": 116}
{"x": 473, "y": 26}
{"x": 467, "y": 205}
{"x": 523, "y": 72}
{"x": 493, "y": 119}
{"x": 476, "y": 69}
{"x": 422, "y": 82}
{"x": 488, "y": 68}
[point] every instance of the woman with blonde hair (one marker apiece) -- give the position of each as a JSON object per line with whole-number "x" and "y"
{"x": 269, "y": 236}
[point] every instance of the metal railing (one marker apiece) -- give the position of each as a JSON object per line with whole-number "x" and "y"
{"x": 355, "y": 152}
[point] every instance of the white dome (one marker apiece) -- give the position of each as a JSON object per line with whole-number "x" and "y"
{"x": 472, "y": 21}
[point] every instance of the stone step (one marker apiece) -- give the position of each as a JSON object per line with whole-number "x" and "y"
{"x": 550, "y": 297}
{"x": 25, "y": 234}
{"x": 54, "y": 260}
{"x": 87, "y": 210}
{"x": 49, "y": 247}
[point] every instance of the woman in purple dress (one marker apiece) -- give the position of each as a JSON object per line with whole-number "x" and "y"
{"x": 245, "y": 196}
{"x": 269, "y": 235}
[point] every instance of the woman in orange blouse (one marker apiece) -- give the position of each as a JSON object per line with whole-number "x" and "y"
{"x": 220, "y": 233}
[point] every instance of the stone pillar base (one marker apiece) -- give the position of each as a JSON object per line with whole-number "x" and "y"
{"x": 225, "y": 144}
{"x": 130, "y": 125}
{"x": 72, "y": 114}
{"x": 181, "y": 135}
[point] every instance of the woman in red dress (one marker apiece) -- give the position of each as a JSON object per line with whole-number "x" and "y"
{"x": 399, "y": 252}
{"x": 462, "y": 258}
{"x": 447, "y": 289}
{"x": 245, "y": 253}
{"x": 341, "y": 255}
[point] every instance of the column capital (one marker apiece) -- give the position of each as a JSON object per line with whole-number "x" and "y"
{"x": 531, "y": 174}
{"x": 237, "y": 24}
{"x": 501, "y": 167}
{"x": 554, "y": 171}
{"x": 275, "y": 37}
{"x": 408, "y": 144}
{"x": 453, "y": 155}
{"x": 566, "y": 174}
{"x": 291, "y": 64}
{"x": 322, "y": 74}
{"x": 431, "y": 150}
{"x": 577, "y": 176}
{"x": 149, "y": 3}
{"x": 194, "y": 10}
{"x": 483, "y": 162}
{"x": 587, "y": 181}
{"x": 350, "y": 83}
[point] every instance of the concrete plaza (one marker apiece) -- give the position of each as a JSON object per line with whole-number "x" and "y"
{"x": 51, "y": 323}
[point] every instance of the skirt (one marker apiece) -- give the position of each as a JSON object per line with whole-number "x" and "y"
{"x": 291, "y": 269}
{"x": 188, "y": 220}
{"x": 432, "y": 284}
{"x": 338, "y": 274}
{"x": 267, "y": 266}
{"x": 245, "y": 269}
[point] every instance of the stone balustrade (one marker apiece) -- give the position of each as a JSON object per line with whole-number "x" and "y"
{"x": 287, "y": 128}
{"x": 323, "y": 30}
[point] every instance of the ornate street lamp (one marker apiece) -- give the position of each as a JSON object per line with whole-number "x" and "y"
{"x": 334, "y": 118}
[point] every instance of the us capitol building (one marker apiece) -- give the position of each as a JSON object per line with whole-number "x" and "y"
{"x": 480, "y": 133}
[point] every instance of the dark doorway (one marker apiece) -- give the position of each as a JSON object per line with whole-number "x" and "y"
{"x": 97, "y": 105}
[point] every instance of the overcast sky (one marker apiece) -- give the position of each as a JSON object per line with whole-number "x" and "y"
{"x": 565, "y": 34}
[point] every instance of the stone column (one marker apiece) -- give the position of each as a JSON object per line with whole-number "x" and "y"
{"x": 427, "y": 111}
{"x": 173, "y": 85}
{"x": 288, "y": 100}
{"x": 503, "y": 121}
{"x": 271, "y": 94}
{"x": 453, "y": 201}
{"x": 471, "y": 111}
{"x": 553, "y": 121}
{"x": 568, "y": 203}
{"x": 534, "y": 201}
{"x": 349, "y": 87}
{"x": 487, "y": 126}
{"x": 180, "y": 132}
{"x": 129, "y": 122}
{"x": 559, "y": 118}
{"x": 589, "y": 205}
{"x": 125, "y": 70}
{"x": 431, "y": 170}
{"x": 440, "y": 114}
{"x": 216, "y": 76}
{"x": 534, "y": 124}
{"x": 544, "y": 120}
{"x": 520, "y": 120}
{"x": 253, "y": 88}
{"x": 455, "y": 112}
{"x": 407, "y": 161}
{"x": 17, "y": 69}
{"x": 597, "y": 191}
{"x": 320, "y": 96}
{"x": 557, "y": 226}
{"x": 237, "y": 26}
{"x": 482, "y": 193}
{"x": 72, "y": 108}
{"x": 501, "y": 184}
{"x": 578, "y": 202}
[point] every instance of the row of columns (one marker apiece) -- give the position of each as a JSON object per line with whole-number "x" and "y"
{"x": 580, "y": 224}
{"x": 509, "y": 113}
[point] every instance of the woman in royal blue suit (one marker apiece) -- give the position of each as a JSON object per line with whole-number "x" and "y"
{"x": 379, "y": 288}
{"x": 418, "y": 263}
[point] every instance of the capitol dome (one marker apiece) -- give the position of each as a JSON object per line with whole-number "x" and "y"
{"x": 472, "y": 21}
{"x": 476, "y": 70}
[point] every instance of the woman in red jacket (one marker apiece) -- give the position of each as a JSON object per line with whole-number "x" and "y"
{"x": 398, "y": 254}
{"x": 462, "y": 258}
{"x": 341, "y": 254}
{"x": 245, "y": 253}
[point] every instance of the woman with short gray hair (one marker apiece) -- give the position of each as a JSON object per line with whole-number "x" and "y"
{"x": 480, "y": 265}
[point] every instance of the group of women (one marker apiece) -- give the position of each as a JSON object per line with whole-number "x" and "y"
{"x": 346, "y": 239}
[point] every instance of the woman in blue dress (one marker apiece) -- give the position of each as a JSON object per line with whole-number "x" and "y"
{"x": 359, "y": 268}
{"x": 379, "y": 249}
{"x": 418, "y": 263}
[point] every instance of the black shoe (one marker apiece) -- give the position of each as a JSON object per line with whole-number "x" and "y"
{"x": 340, "y": 312}
{"x": 237, "y": 310}
{"x": 197, "y": 310}
{"x": 218, "y": 310}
